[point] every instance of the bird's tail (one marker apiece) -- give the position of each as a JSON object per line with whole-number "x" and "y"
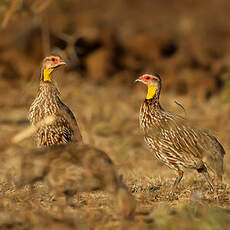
{"x": 215, "y": 158}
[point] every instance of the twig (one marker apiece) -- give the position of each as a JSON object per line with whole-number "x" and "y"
{"x": 13, "y": 7}
{"x": 180, "y": 105}
{"x": 40, "y": 6}
{"x": 31, "y": 130}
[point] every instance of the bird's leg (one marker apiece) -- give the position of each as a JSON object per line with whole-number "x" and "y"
{"x": 219, "y": 179}
{"x": 177, "y": 181}
{"x": 209, "y": 180}
{"x": 204, "y": 171}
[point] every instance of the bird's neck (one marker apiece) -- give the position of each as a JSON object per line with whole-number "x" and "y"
{"x": 46, "y": 74}
{"x": 47, "y": 84}
{"x": 46, "y": 88}
{"x": 152, "y": 105}
{"x": 153, "y": 94}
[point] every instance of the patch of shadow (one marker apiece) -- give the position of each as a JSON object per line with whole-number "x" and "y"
{"x": 154, "y": 188}
{"x": 168, "y": 49}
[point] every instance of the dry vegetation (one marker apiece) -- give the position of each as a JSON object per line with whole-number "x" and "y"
{"x": 98, "y": 87}
{"x": 112, "y": 125}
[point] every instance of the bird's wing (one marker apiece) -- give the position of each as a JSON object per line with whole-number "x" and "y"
{"x": 69, "y": 116}
{"x": 175, "y": 135}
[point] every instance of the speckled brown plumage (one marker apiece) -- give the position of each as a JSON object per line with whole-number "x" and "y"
{"x": 65, "y": 128}
{"x": 175, "y": 143}
{"x": 73, "y": 168}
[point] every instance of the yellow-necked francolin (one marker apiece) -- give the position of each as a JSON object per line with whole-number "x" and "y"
{"x": 173, "y": 141}
{"x": 65, "y": 128}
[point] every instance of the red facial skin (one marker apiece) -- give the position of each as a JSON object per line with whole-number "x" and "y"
{"x": 55, "y": 60}
{"x": 146, "y": 77}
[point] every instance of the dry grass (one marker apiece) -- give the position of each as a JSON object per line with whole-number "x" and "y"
{"x": 108, "y": 118}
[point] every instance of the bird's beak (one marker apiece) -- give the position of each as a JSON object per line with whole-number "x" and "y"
{"x": 137, "y": 80}
{"x": 62, "y": 62}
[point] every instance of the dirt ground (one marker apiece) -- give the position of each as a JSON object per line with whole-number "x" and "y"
{"x": 107, "y": 45}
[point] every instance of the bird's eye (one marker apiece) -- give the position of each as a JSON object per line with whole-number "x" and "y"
{"x": 147, "y": 78}
{"x": 52, "y": 59}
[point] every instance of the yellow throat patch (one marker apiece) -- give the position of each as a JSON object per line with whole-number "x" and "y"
{"x": 47, "y": 74}
{"x": 151, "y": 92}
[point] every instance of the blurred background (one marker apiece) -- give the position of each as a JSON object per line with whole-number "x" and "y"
{"x": 187, "y": 42}
{"x": 107, "y": 44}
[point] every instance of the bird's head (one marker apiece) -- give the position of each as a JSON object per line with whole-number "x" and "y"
{"x": 48, "y": 65}
{"x": 153, "y": 83}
